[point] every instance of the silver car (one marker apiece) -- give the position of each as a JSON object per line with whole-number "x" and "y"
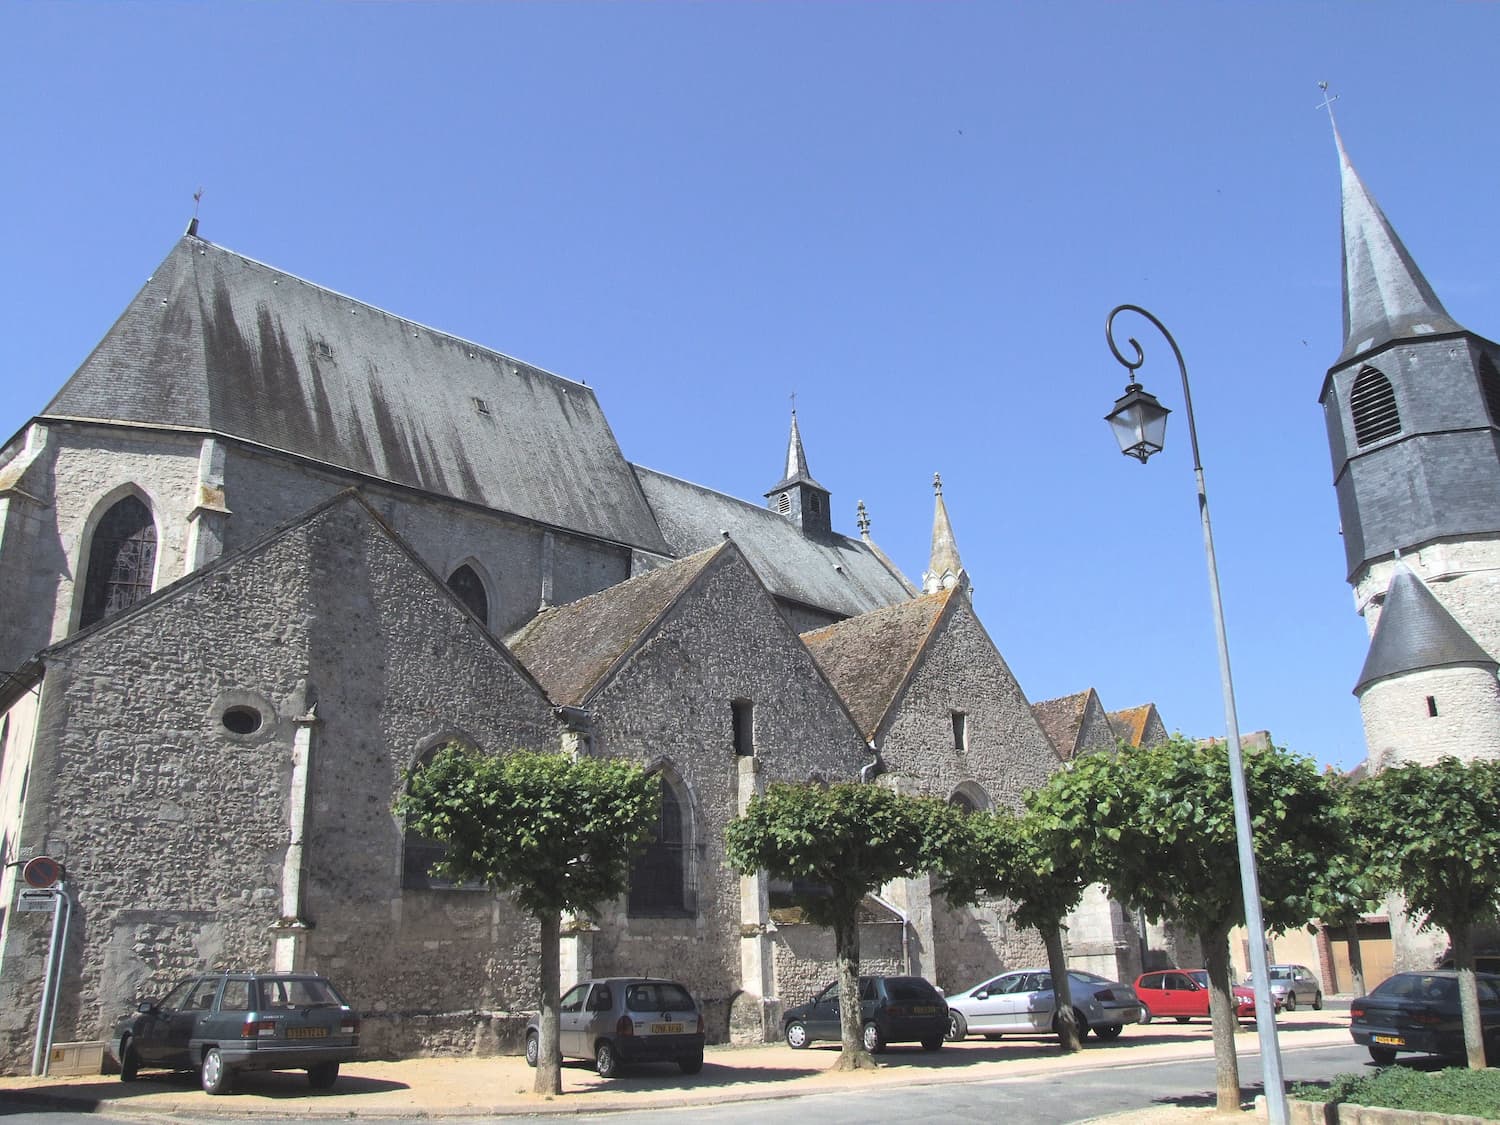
{"x": 621, "y": 1020}
{"x": 1021, "y": 1003}
{"x": 1292, "y": 985}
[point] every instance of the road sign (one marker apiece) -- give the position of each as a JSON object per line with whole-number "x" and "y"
{"x": 41, "y": 871}
{"x": 36, "y": 899}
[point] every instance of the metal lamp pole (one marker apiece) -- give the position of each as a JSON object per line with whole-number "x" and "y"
{"x": 1150, "y": 428}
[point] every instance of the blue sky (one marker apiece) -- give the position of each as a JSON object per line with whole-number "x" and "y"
{"x": 915, "y": 216}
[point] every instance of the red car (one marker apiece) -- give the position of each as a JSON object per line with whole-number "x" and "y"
{"x": 1183, "y": 995}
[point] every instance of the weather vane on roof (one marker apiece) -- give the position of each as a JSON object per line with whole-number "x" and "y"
{"x": 794, "y": 402}
{"x": 197, "y": 198}
{"x": 1328, "y": 100}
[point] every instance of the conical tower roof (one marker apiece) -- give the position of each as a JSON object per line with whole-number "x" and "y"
{"x": 796, "y": 462}
{"x": 944, "y": 567}
{"x": 1416, "y": 633}
{"x": 1385, "y": 295}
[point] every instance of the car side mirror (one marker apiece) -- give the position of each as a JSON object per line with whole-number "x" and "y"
{"x": 145, "y": 1007}
{"x": 982, "y": 994}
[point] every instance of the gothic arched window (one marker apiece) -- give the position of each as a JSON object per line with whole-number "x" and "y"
{"x": 659, "y": 877}
{"x": 469, "y": 587}
{"x": 419, "y": 852}
{"x": 122, "y": 561}
{"x": 1373, "y": 404}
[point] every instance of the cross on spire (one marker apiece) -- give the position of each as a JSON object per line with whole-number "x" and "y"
{"x": 1327, "y": 103}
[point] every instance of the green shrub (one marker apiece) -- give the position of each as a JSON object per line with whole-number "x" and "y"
{"x": 1471, "y": 1093}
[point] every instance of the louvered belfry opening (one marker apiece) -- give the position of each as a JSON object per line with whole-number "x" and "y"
{"x": 1373, "y": 404}
{"x": 122, "y": 561}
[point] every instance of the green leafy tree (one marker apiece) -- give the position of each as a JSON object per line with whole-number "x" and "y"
{"x": 842, "y": 842}
{"x": 1436, "y": 830}
{"x": 1159, "y": 822}
{"x": 1352, "y": 883}
{"x": 557, "y": 834}
{"x": 1036, "y": 863}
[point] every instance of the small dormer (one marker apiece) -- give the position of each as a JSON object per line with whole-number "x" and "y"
{"x": 798, "y": 497}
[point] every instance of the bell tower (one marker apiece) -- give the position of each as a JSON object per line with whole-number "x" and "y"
{"x": 798, "y": 497}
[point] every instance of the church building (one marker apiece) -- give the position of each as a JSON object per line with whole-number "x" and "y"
{"x": 269, "y": 547}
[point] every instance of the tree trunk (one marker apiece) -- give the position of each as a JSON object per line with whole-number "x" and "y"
{"x": 1468, "y": 995}
{"x": 1356, "y": 959}
{"x": 549, "y": 1058}
{"x": 1221, "y": 1009}
{"x": 1064, "y": 1016}
{"x": 851, "y": 1010}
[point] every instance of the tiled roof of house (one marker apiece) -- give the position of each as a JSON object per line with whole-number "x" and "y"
{"x": 1061, "y": 719}
{"x": 572, "y": 648}
{"x": 1130, "y": 724}
{"x": 868, "y": 658}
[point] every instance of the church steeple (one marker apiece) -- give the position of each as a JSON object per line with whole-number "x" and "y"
{"x": 1385, "y": 295}
{"x": 944, "y": 570}
{"x": 1412, "y": 403}
{"x": 798, "y": 496}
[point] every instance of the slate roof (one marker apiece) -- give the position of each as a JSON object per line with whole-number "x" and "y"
{"x": 572, "y": 649}
{"x": 218, "y": 342}
{"x": 796, "y": 463}
{"x": 868, "y": 658}
{"x": 836, "y": 573}
{"x": 1415, "y": 633}
{"x": 1061, "y": 720}
{"x": 1385, "y": 295}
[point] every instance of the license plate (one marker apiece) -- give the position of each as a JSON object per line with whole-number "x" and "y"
{"x": 922, "y": 1009}
{"x": 307, "y": 1033}
{"x": 1389, "y": 1040}
{"x": 666, "y": 1029}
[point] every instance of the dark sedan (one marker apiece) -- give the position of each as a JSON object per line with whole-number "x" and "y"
{"x": 893, "y": 1010}
{"x": 1418, "y": 1012}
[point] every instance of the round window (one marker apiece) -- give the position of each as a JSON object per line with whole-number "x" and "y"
{"x": 241, "y": 720}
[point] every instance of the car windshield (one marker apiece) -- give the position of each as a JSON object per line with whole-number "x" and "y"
{"x": 1281, "y": 974}
{"x": 1419, "y": 986}
{"x": 297, "y": 992}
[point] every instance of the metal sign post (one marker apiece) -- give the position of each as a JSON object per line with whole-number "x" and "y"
{"x": 47, "y": 890}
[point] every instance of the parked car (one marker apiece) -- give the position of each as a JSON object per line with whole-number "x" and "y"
{"x": 1183, "y": 995}
{"x": 1418, "y": 1012}
{"x": 617, "y": 1021}
{"x": 894, "y": 1010}
{"x": 1022, "y": 1002}
{"x": 1292, "y": 985}
{"x": 221, "y": 1023}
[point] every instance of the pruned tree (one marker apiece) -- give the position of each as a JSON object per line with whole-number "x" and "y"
{"x": 1159, "y": 822}
{"x": 1036, "y": 864}
{"x": 1352, "y": 883}
{"x": 555, "y": 833}
{"x": 836, "y": 844}
{"x": 1436, "y": 830}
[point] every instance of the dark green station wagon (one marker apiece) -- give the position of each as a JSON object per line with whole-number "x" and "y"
{"x": 221, "y": 1023}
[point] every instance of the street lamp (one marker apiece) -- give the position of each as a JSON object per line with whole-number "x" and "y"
{"x": 1140, "y": 424}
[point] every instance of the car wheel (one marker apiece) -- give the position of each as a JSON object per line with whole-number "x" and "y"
{"x": 1291, "y": 1001}
{"x": 1109, "y": 1031}
{"x": 323, "y": 1075}
{"x": 1079, "y": 1020}
{"x": 533, "y": 1048}
{"x": 1382, "y": 1056}
{"x": 958, "y": 1027}
{"x": 872, "y": 1039}
{"x": 1145, "y": 1015}
{"x": 1317, "y": 1001}
{"x": 606, "y": 1062}
{"x": 690, "y": 1064}
{"x": 130, "y": 1060}
{"x": 933, "y": 1043}
{"x": 1183, "y": 1019}
{"x": 215, "y": 1076}
{"x": 796, "y": 1035}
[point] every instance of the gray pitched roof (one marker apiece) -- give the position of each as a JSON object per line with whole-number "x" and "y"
{"x": 1415, "y": 632}
{"x": 838, "y": 574}
{"x": 573, "y": 648}
{"x": 868, "y": 658}
{"x": 218, "y": 342}
{"x": 1385, "y": 295}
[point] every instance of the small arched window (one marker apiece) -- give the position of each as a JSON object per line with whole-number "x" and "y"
{"x": 419, "y": 853}
{"x": 122, "y": 561}
{"x": 1489, "y": 385}
{"x": 659, "y": 877}
{"x": 1373, "y": 404}
{"x": 469, "y": 588}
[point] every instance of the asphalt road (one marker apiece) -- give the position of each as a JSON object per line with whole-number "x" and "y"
{"x": 1053, "y": 1100}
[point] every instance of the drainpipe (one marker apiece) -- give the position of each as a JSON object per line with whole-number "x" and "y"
{"x": 872, "y": 770}
{"x": 46, "y": 1017}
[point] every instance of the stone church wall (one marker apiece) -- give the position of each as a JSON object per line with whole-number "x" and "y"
{"x": 175, "y": 831}
{"x": 807, "y": 960}
{"x": 1399, "y": 728}
{"x": 724, "y": 640}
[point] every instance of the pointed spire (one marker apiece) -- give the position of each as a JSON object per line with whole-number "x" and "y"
{"x": 1415, "y": 633}
{"x": 944, "y": 568}
{"x": 1385, "y": 295}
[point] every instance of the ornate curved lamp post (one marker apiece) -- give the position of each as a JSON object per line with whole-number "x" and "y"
{"x": 1140, "y": 424}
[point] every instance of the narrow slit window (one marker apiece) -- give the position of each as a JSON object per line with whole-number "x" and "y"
{"x": 1432, "y": 706}
{"x": 742, "y": 713}
{"x": 960, "y": 731}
